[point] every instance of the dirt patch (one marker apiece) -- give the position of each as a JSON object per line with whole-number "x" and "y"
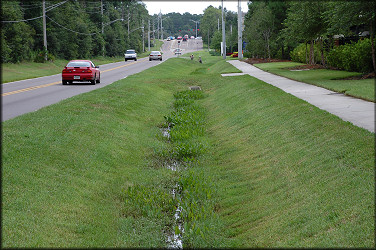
{"x": 361, "y": 77}
{"x": 306, "y": 66}
{"x": 262, "y": 60}
{"x": 309, "y": 67}
{"x": 319, "y": 66}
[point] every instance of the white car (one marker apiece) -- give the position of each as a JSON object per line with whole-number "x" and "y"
{"x": 130, "y": 54}
{"x": 177, "y": 51}
{"x": 155, "y": 55}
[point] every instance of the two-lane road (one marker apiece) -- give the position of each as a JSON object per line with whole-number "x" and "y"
{"x": 30, "y": 95}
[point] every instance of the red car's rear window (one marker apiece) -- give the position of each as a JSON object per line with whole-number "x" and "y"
{"x": 78, "y": 64}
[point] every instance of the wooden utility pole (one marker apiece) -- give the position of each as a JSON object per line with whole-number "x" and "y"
{"x": 44, "y": 31}
{"x": 223, "y": 34}
{"x": 149, "y": 34}
{"x": 102, "y": 27}
{"x": 240, "y": 39}
{"x": 143, "y": 36}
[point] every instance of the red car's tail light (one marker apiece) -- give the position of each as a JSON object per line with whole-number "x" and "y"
{"x": 65, "y": 71}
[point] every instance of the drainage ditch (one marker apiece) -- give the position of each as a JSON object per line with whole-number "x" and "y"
{"x": 182, "y": 203}
{"x": 181, "y": 120}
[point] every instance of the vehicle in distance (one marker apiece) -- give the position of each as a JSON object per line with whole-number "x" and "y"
{"x": 130, "y": 54}
{"x": 155, "y": 55}
{"x": 192, "y": 37}
{"x": 179, "y": 38}
{"x": 185, "y": 38}
{"x": 235, "y": 54}
{"x": 168, "y": 39}
{"x": 177, "y": 51}
{"x": 81, "y": 71}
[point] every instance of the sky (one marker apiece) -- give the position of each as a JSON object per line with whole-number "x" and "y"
{"x": 193, "y": 7}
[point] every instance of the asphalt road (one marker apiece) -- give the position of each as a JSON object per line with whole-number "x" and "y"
{"x": 26, "y": 96}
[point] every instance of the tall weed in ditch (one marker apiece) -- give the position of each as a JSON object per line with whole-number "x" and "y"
{"x": 194, "y": 189}
{"x": 149, "y": 201}
{"x": 183, "y": 204}
{"x": 187, "y": 123}
{"x": 201, "y": 224}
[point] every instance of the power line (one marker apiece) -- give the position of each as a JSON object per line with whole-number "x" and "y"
{"x": 55, "y": 6}
{"x": 17, "y": 21}
{"x": 30, "y": 19}
{"x": 20, "y": 4}
{"x": 89, "y": 34}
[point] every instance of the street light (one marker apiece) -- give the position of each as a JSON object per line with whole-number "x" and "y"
{"x": 162, "y": 26}
{"x": 113, "y": 22}
{"x": 196, "y": 25}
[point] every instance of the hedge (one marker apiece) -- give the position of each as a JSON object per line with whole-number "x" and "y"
{"x": 355, "y": 56}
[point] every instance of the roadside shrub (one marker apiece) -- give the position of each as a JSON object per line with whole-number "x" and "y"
{"x": 299, "y": 53}
{"x": 247, "y": 54}
{"x": 355, "y": 56}
{"x": 39, "y": 57}
{"x": 214, "y": 53}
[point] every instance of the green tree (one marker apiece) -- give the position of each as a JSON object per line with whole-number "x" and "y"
{"x": 231, "y": 31}
{"x": 216, "y": 40}
{"x": 305, "y": 22}
{"x": 209, "y": 23}
{"x": 260, "y": 29}
{"x": 343, "y": 15}
{"x": 17, "y": 38}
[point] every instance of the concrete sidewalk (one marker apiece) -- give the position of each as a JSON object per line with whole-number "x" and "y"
{"x": 359, "y": 112}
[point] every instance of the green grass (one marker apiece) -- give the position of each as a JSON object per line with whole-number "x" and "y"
{"x": 290, "y": 174}
{"x": 329, "y": 79}
{"x": 276, "y": 171}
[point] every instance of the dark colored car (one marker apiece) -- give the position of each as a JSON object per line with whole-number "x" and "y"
{"x": 81, "y": 71}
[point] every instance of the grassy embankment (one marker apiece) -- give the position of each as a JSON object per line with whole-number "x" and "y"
{"x": 326, "y": 78}
{"x": 276, "y": 171}
{"x": 26, "y": 70}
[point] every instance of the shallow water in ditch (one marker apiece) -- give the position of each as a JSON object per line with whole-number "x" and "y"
{"x": 174, "y": 240}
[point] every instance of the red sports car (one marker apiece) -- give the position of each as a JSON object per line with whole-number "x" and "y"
{"x": 82, "y": 71}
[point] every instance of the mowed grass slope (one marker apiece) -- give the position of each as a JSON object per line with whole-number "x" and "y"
{"x": 285, "y": 172}
{"x": 291, "y": 174}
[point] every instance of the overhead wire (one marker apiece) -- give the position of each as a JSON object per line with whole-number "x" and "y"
{"x": 55, "y": 5}
{"x": 49, "y": 9}
{"x": 30, "y": 19}
{"x": 89, "y": 34}
{"x": 17, "y": 21}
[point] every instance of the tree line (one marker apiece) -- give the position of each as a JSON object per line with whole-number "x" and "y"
{"x": 324, "y": 32}
{"x": 305, "y": 31}
{"x": 74, "y": 28}
{"x": 331, "y": 33}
